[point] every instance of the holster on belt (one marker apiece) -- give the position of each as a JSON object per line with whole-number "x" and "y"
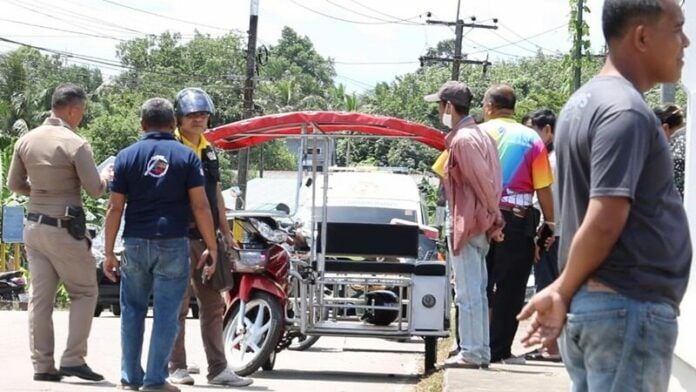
{"x": 77, "y": 223}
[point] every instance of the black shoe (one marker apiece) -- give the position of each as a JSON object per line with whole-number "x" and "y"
{"x": 53, "y": 377}
{"x": 82, "y": 371}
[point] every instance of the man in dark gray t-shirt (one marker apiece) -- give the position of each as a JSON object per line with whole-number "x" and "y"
{"x": 609, "y": 143}
{"x": 625, "y": 250}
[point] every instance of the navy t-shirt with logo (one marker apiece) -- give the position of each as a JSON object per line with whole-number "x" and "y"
{"x": 155, "y": 174}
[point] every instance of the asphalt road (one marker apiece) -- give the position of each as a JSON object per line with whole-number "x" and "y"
{"x": 334, "y": 364}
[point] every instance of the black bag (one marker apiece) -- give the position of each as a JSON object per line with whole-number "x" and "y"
{"x": 77, "y": 224}
{"x": 223, "y": 279}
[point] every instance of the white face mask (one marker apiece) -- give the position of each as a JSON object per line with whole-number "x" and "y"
{"x": 447, "y": 118}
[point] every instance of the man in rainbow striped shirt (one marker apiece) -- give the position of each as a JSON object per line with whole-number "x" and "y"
{"x": 526, "y": 170}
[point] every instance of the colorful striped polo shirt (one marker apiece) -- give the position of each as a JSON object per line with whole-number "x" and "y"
{"x": 524, "y": 159}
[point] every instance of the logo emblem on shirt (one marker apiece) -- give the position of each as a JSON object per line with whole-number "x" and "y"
{"x": 157, "y": 166}
{"x": 211, "y": 155}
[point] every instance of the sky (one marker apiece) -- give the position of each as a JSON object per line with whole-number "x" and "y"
{"x": 370, "y": 41}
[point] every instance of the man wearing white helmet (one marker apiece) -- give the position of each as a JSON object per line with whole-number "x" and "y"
{"x": 193, "y": 109}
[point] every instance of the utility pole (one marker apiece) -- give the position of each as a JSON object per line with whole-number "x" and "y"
{"x": 458, "y": 58}
{"x": 669, "y": 93}
{"x": 243, "y": 156}
{"x": 459, "y": 33}
{"x": 578, "y": 46}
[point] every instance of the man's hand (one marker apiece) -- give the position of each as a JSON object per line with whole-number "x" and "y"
{"x": 111, "y": 267}
{"x": 497, "y": 236}
{"x": 208, "y": 268}
{"x": 549, "y": 242}
{"x": 107, "y": 173}
{"x": 229, "y": 240}
{"x": 547, "y": 310}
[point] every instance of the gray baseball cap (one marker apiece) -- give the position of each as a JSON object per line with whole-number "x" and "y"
{"x": 456, "y": 92}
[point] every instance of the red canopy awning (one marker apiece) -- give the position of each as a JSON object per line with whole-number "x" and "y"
{"x": 254, "y": 131}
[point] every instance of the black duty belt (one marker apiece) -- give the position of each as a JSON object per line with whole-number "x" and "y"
{"x": 47, "y": 220}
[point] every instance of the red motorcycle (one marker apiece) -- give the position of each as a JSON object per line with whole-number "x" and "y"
{"x": 257, "y": 307}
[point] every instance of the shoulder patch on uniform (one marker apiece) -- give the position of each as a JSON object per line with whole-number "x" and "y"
{"x": 157, "y": 166}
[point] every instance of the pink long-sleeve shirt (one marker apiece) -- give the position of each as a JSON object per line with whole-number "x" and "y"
{"x": 473, "y": 183}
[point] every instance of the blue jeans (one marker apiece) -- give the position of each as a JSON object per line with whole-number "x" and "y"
{"x": 471, "y": 279}
{"x": 614, "y": 343}
{"x": 160, "y": 268}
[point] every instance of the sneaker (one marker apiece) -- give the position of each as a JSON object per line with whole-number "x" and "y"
{"x": 453, "y": 351}
{"x": 458, "y": 362}
{"x": 194, "y": 369}
{"x": 513, "y": 360}
{"x": 166, "y": 387}
{"x": 229, "y": 378}
{"x": 181, "y": 376}
{"x": 127, "y": 387}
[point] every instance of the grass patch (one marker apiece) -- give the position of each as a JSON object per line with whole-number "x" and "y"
{"x": 433, "y": 382}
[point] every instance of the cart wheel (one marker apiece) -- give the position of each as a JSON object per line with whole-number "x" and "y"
{"x": 430, "y": 353}
{"x": 98, "y": 310}
{"x": 270, "y": 362}
{"x": 116, "y": 309}
{"x": 303, "y": 342}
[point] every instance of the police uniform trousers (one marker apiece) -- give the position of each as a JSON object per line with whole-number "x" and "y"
{"x": 55, "y": 256}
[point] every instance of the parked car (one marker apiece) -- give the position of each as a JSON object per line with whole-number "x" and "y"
{"x": 109, "y": 292}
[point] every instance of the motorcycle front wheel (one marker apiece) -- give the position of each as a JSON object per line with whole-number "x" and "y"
{"x": 263, "y": 320}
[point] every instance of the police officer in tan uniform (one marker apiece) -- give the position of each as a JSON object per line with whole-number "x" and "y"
{"x": 50, "y": 164}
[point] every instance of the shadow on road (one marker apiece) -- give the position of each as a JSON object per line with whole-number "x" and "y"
{"x": 338, "y": 376}
{"x": 372, "y": 350}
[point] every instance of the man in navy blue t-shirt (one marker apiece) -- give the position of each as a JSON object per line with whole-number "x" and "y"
{"x": 162, "y": 182}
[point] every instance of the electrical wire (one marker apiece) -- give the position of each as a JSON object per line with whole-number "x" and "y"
{"x": 62, "y": 30}
{"x": 381, "y": 13}
{"x": 364, "y": 85}
{"x": 53, "y": 17}
{"x": 100, "y": 23}
{"x": 374, "y": 62}
{"x": 342, "y": 19}
{"x": 170, "y": 17}
{"x": 525, "y": 38}
{"x": 495, "y": 48}
{"x": 514, "y": 43}
{"x": 112, "y": 63}
{"x": 405, "y": 21}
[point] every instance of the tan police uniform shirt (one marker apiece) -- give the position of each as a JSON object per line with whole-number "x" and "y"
{"x": 49, "y": 165}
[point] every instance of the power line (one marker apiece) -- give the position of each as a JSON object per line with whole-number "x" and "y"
{"x": 62, "y": 30}
{"x": 53, "y": 17}
{"x": 376, "y": 11}
{"x": 526, "y": 39}
{"x": 374, "y": 62}
{"x": 111, "y": 63}
{"x": 170, "y": 17}
{"x": 514, "y": 43}
{"x": 495, "y": 48}
{"x": 363, "y": 85}
{"x": 342, "y": 19}
{"x": 89, "y": 19}
{"x": 405, "y": 21}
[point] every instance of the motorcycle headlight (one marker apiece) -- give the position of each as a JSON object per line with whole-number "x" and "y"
{"x": 267, "y": 232}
